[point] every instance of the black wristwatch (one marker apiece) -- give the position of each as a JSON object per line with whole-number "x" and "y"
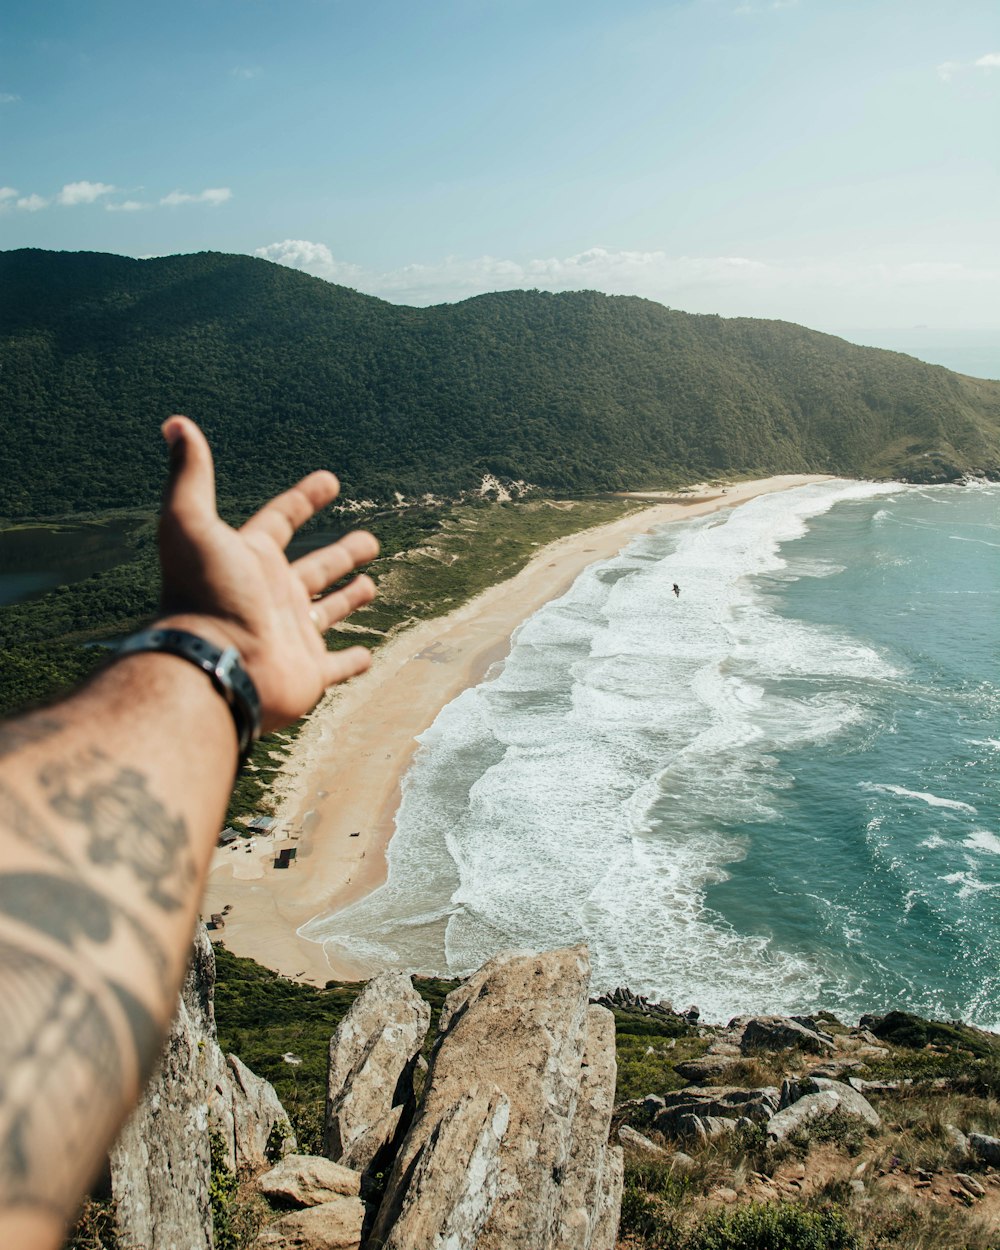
{"x": 224, "y": 667}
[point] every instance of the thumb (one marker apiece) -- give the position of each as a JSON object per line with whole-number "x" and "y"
{"x": 189, "y": 496}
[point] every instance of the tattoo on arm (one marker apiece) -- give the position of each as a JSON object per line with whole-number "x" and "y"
{"x": 126, "y": 825}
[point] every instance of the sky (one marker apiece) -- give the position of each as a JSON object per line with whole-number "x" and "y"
{"x": 830, "y": 162}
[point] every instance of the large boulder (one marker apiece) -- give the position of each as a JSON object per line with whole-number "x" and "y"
{"x": 985, "y": 1148}
{"x": 706, "y": 1069}
{"x": 335, "y": 1225}
{"x": 725, "y": 1101}
{"x": 814, "y": 1097}
{"x": 370, "y": 1073}
{"x": 453, "y": 1180}
{"x": 639, "y": 1146}
{"x": 537, "y": 1122}
{"x": 784, "y": 1033}
{"x": 307, "y": 1181}
{"x": 247, "y": 1114}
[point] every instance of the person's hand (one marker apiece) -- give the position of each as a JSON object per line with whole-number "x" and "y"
{"x": 237, "y": 588}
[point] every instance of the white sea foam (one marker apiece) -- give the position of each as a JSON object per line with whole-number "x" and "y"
{"x": 983, "y": 840}
{"x": 580, "y": 794}
{"x": 932, "y": 800}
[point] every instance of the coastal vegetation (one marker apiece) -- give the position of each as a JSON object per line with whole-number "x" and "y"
{"x": 575, "y": 392}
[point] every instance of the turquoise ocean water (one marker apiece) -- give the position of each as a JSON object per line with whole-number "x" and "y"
{"x": 780, "y": 790}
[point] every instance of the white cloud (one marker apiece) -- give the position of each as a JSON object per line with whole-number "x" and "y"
{"x": 211, "y": 195}
{"x": 83, "y": 192}
{"x": 246, "y": 72}
{"x": 314, "y": 258}
{"x": 8, "y": 97}
{"x": 7, "y": 193}
{"x": 811, "y": 291}
{"x": 948, "y": 69}
{"x": 32, "y": 203}
{"x": 127, "y": 206}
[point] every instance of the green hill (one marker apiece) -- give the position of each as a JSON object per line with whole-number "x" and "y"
{"x": 573, "y": 392}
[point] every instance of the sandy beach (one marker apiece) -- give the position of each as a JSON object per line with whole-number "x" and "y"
{"x": 340, "y": 790}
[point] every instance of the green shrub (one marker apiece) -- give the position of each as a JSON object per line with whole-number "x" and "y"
{"x": 778, "y": 1226}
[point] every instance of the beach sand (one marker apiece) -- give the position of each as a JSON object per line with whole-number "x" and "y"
{"x": 340, "y": 790}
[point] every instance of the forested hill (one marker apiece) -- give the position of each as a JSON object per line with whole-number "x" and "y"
{"x": 577, "y": 391}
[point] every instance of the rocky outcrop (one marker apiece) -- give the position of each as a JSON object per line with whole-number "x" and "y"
{"x": 986, "y": 1149}
{"x": 451, "y": 1187}
{"x": 784, "y": 1033}
{"x": 727, "y": 1102}
{"x": 161, "y": 1163}
{"x": 307, "y": 1181}
{"x": 636, "y": 1143}
{"x": 248, "y": 1116}
{"x": 803, "y": 1101}
{"x": 329, "y": 1213}
{"x": 335, "y": 1225}
{"x": 370, "y": 1073}
{"x": 520, "y": 1157}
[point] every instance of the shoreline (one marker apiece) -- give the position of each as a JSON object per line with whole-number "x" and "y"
{"x": 339, "y": 793}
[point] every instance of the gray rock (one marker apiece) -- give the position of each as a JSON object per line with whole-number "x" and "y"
{"x": 652, "y": 1104}
{"x": 335, "y": 1225}
{"x": 608, "y": 1203}
{"x": 308, "y": 1181}
{"x": 370, "y": 1072}
{"x": 986, "y": 1149}
{"x": 636, "y": 1144}
{"x": 523, "y": 1022}
{"x": 727, "y": 1101}
{"x": 707, "y": 1069}
{"x": 161, "y": 1163}
{"x": 783, "y": 1033}
{"x": 255, "y": 1112}
{"x": 706, "y": 1128}
{"x": 817, "y": 1097}
{"x": 957, "y": 1141}
{"x": 583, "y": 1176}
{"x": 970, "y": 1184}
{"x": 877, "y": 1087}
{"x": 453, "y": 1179}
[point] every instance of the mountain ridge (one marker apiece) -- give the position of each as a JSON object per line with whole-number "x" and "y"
{"x": 576, "y": 391}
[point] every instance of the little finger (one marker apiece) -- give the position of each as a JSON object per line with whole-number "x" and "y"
{"x": 340, "y": 665}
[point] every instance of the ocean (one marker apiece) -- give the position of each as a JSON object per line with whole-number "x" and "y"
{"x": 777, "y": 791}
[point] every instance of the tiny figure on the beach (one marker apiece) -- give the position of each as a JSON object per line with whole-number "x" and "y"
{"x": 357, "y": 834}
{"x": 677, "y": 590}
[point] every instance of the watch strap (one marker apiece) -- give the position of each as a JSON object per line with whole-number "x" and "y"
{"x": 224, "y": 668}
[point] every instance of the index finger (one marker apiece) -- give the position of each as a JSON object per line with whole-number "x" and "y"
{"x": 282, "y": 516}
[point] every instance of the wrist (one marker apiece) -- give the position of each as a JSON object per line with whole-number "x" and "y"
{"x": 213, "y": 652}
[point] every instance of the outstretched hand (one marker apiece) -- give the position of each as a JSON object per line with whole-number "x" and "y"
{"x": 238, "y": 588}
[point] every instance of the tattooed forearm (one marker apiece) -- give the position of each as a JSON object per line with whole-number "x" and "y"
{"x": 27, "y": 826}
{"x": 124, "y": 824}
{"x": 66, "y": 1072}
